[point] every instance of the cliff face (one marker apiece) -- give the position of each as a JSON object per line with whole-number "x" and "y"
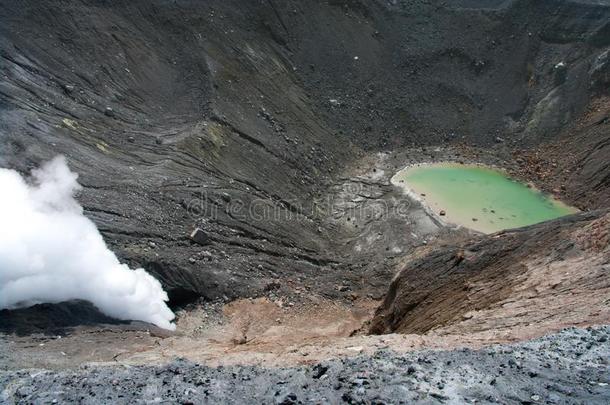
{"x": 185, "y": 113}
{"x": 514, "y": 284}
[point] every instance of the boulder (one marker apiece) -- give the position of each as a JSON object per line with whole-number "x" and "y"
{"x": 200, "y": 237}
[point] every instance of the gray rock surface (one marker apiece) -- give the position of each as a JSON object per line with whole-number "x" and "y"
{"x": 570, "y": 367}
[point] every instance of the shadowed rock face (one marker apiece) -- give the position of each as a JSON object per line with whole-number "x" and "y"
{"x": 179, "y": 114}
{"x": 52, "y": 319}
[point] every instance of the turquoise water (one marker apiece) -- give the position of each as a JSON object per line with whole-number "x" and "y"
{"x": 480, "y": 198}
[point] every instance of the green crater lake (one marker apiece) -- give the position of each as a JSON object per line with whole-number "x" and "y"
{"x": 478, "y": 197}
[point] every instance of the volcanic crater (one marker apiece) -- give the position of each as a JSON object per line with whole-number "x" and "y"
{"x": 242, "y": 152}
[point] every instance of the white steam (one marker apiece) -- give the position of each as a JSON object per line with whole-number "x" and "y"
{"x": 50, "y": 252}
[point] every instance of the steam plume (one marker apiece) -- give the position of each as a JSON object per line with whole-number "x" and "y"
{"x": 50, "y": 252}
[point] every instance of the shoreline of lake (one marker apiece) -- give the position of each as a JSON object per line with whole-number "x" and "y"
{"x": 488, "y": 214}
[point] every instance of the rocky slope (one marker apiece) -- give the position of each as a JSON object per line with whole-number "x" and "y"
{"x": 512, "y": 283}
{"x": 183, "y": 114}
